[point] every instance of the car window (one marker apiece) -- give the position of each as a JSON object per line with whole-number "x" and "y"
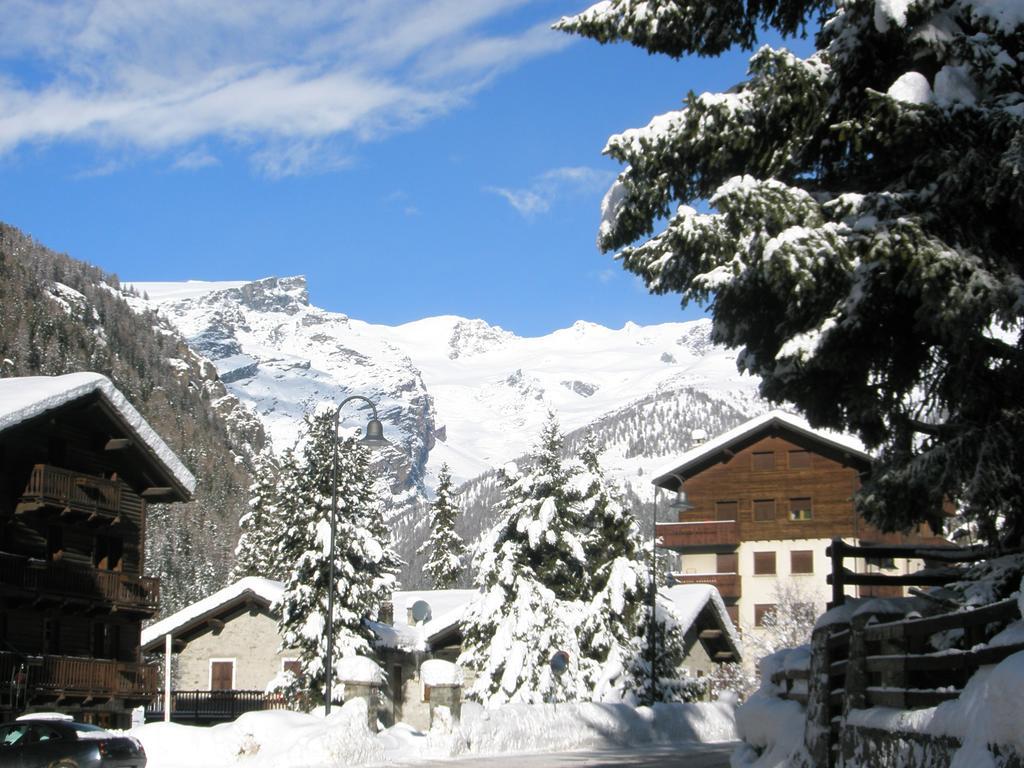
{"x": 43, "y": 732}
{"x": 11, "y": 735}
{"x": 86, "y": 728}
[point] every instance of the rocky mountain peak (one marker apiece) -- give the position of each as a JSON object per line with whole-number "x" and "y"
{"x": 274, "y": 294}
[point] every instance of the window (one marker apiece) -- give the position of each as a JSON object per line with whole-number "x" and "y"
{"x": 51, "y": 636}
{"x": 108, "y": 554}
{"x": 761, "y": 610}
{"x": 222, "y": 674}
{"x": 54, "y": 543}
{"x": 733, "y": 611}
{"x": 726, "y": 510}
{"x": 762, "y": 460}
{"x": 764, "y": 563}
{"x": 292, "y": 665}
{"x": 801, "y": 561}
{"x": 764, "y": 510}
{"x": 800, "y": 509}
{"x": 726, "y": 563}
{"x": 106, "y": 640}
{"x": 799, "y": 459}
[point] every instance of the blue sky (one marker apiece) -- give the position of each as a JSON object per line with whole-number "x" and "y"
{"x": 410, "y": 158}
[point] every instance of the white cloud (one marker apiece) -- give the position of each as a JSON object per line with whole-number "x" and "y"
{"x": 195, "y": 160}
{"x": 552, "y": 185}
{"x": 286, "y": 79}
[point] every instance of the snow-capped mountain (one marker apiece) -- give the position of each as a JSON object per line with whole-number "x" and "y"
{"x": 449, "y": 389}
{"x": 461, "y": 391}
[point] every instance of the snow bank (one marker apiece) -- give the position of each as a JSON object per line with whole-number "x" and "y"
{"x": 295, "y": 740}
{"x": 359, "y": 669}
{"x": 440, "y": 672}
{"x": 772, "y": 730}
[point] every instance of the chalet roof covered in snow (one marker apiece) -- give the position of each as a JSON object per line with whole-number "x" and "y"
{"x": 720, "y": 447}
{"x": 28, "y": 398}
{"x": 193, "y": 620}
{"x": 700, "y": 607}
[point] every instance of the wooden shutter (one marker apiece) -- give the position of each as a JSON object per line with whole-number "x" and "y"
{"x": 764, "y": 563}
{"x": 801, "y": 561}
{"x": 726, "y": 563}
{"x": 726, "y": 510}
{"x": 764, "y": 510}
{"x": 799, "y": 459}
{"x": 221, "y": 675}
{"x": 761, "y": 461}
{"x": 760, "y": 611}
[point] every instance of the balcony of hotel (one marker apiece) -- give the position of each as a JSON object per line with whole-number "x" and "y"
{"x": 49, "y": 677}
{"x": 727, "y": 584}
{"x": 43, "y": 581}
{"x": 706, "y": 535}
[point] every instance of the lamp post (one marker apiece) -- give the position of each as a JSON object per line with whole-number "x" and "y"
{"x": 374, "y": 438}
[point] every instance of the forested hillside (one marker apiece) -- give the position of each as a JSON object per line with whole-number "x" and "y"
{"x": 59, "y": 315}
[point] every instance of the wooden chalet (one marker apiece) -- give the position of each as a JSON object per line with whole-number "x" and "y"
{"x": 78, "y": 465}
{"x": 761, "y": 503}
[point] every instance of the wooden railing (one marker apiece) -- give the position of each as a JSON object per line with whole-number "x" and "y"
{"x": 727, "y": 584}
{"x": 703, "y": 533}
{"x": 42, "y": 579}
{"x": 71, "y": 491}
{"x": 212, "y": 706}
{"x": 45, "y": 676}
{"x": 884, "y": 660}
{"x": 943, "y": 562}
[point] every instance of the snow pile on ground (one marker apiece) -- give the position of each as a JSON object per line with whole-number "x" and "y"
{"x": 281, "y": 739}
{"x": 772, "y": 729}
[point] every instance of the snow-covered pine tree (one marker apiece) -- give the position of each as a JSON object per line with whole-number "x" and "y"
{"x": 447, "y": 549}
{"x": 364, "y": 562}
{"x": 866, "y": 243}
{"x": 532, "y": 574}
{"x": 263, "y": 523}
{"x": 615, "y": 635}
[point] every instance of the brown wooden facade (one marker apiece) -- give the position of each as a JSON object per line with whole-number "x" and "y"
{"x": 72, "y": 552}
{"x": 775, "y": 482}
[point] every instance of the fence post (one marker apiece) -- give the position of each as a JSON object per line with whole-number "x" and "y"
{"x": 835, "y": 550}
{"x": 818, "y": 723}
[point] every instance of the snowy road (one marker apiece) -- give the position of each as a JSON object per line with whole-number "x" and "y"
{"x": 673, "y": 756}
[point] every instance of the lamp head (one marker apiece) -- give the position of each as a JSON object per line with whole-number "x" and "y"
{"x": 374, "y": 437}
{"x": 680, "y": 502}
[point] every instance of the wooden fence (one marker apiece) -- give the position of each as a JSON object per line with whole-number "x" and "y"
{"x": 208, "y": 707}
{"x": 880, "y": 659}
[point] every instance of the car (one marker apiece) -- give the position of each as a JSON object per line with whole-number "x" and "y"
{"x": 51, "y": 742}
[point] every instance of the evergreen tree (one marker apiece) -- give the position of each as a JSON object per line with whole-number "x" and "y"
{"x": 262, "y": 525}
{"x": 531, "y": 570}
{"x": 445, "y": 546}
{"x": 865, "y": 245}
{"x": 365, "y": 566}
{"x": 615, "y": 634}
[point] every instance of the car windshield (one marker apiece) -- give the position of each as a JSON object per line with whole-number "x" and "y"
{"x": 86, "y": 728}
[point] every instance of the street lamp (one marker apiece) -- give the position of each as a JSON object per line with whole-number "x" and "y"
{"x": 374, "y": 438}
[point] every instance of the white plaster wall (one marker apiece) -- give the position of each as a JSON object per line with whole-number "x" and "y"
{"x": 762, "y": 589}
{"x": 252, "y": 641}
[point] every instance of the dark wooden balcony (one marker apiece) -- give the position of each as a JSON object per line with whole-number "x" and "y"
{"x": 43, "y": 678}
{"x": 41, "y": 581}
{"x": 709, "y": 535}
{"x": 727, "y": 584}
{"x": 94, "y": 498}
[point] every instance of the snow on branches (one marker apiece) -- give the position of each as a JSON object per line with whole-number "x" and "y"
{"x": 865, "y": 246}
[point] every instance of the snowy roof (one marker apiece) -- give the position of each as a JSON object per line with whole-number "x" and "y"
{"x": 447, "y": 607}
{"x": 702, "y": 602}
{"x": 669, "y": 477}
{"x": 264, "y": 591}
{"x": 28, "y": 397}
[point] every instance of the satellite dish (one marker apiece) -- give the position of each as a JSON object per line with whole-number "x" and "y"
{"x": 420, "y": 611}
{"x": 559, "y": 662}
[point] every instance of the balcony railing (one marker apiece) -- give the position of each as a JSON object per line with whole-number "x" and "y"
{"x": 45, "y": 676}
{"x": 727, "y": 584}
{"x": 43, "y": 579}
{"x": 72, "y": 492}
{"x": 699, "y": 535}
{"x": 212, "y": 706}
